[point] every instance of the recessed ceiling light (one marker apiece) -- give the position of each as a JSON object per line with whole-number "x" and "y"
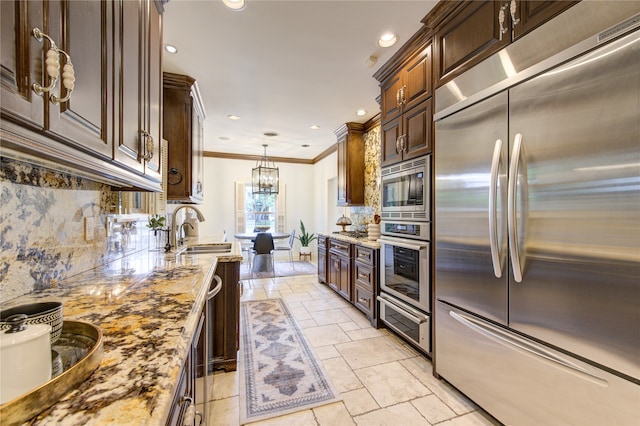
{"x": 315, "y": 127}
{"x": 234, "y": 4}
{"x": 170, "y": 48}
{"x": 306, "y": 145}
{"x": 233, "y": 117}
{"x": 270, "y": 134}
{"x": 361, "y": 112}
{"x": 223, "y": 138}
{"x": 387, "y": 40}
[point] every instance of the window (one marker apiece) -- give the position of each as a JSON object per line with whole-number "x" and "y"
{"x": 260, "y": 211}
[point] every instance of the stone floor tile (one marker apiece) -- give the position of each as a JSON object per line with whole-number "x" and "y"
{"x": 326, "y": 352}
{"x": 225, "y": 412}
{"x": 356, "y": 316}
{"x": 348, "y": 326}
{"x": 302, "y": 418}
{"x": 225, "y": 385}
{"x": 396, "y": 415}
{"x": 391, "y": 383}
{"x": 325, "y": 335}
{"x": 333, "y": 415}
{"x": 253, "y": 294}
{"x": 341, "y": 375}
{"x": 363, "y": 333}
{"x": 434, "y": 410}
{"x": 329, "y": 316}
{"x": 307, "y": 323}
{"x": 296, "y": 297}
{"x": 475, "y": 418}
{"x": 368, "y": 352}
{"x": 359, "y": 401}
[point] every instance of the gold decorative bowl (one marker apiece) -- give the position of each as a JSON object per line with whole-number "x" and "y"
{"x": 80, "y": 348}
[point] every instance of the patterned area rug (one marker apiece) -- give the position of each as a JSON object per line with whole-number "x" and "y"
{"x": 283, "y": 269}
{"x": 279, "y": 373}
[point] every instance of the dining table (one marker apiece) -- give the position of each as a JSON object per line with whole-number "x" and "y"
{"x": 252, "y": 235}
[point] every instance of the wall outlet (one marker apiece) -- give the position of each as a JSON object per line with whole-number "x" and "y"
{"x": 89, "y": 227}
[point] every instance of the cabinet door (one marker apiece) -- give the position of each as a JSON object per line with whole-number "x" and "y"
{"x": 342, "y": 172}
{"x": 21, "y": 62}
{"x": 153, "y": 79}
{"x": 83, "y": 29}
{"x": 197, "y": 159}
{"x": 130, "y": 53}
{"x": 533, "y": 13}
{"x": 322, "y": 265}
{"x": 390, "y": 97}
{"x": 416, "y": 130}
{"x": 344, "y": 280}
{"x": 390, "y": 149}
{"x": 472, "y": 35}
{"x": 417, "y": 79}
{"x": 333, "y": 271}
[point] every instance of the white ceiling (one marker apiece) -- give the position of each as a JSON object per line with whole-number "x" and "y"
{"x": 283, "y": 66}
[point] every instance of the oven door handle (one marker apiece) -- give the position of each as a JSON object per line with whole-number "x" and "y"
{"x": 411, "y": 313}
{"x": 411, "y": 245}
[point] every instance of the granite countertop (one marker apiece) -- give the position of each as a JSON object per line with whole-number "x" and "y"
{"x": 362, "y": 241}
{"x": 148, "y": 306}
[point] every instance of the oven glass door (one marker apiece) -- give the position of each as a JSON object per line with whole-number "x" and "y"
{"x": 413, "y": 325}
{"x": 404, "y": 191}
{"x": 405, "y": 271}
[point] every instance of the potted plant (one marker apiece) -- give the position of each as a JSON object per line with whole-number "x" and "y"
{"x": 156, "y": 223}
{"x": 305, "y": 238}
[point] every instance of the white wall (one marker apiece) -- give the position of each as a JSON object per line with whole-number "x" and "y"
{"x": 325, "y": 170}
{"x": 221, "y": 174}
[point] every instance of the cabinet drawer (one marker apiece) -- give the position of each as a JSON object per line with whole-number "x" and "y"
{"x": 340, "y": 247}
{"x": 365, "y": 255}
{"x": 364, "y": 300}
{"x": 365, "y": 276}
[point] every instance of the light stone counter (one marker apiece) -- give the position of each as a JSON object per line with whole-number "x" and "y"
{"x": 362, "y": 241}
{"x": 148, "y": 306}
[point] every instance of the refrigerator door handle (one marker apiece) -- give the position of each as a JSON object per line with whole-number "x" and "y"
{"x": 526, "y": 347}
{"x": 496, "y": 259}
{"x": 512, "y": 222}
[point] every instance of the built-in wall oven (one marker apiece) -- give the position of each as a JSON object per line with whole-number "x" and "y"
{"x": 406, "y": 190}
{"x": 405, "y": 289}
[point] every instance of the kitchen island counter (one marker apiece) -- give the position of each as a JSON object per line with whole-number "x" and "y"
{"x": 148, "y": 306}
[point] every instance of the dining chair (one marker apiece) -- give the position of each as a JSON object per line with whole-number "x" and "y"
{"x": 289, "y": 246}
{"x": 262, "y": 252}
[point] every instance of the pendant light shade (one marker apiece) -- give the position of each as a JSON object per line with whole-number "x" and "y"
{"x": 265, "y": 177}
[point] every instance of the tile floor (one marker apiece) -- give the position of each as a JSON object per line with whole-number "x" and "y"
{"x": 382, "y": 381}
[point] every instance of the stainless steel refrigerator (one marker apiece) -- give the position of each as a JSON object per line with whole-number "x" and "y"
{"x": 537, "y": 224}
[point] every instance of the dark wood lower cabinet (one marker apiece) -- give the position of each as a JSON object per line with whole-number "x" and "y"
{"x": 224, "y": 319}
{"x": 352, "y": 272}
{"x": 185, "y": 392}
{"x": 322, "y": 259}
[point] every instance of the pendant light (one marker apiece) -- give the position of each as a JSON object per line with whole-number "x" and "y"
{"x": 265, "y": 177}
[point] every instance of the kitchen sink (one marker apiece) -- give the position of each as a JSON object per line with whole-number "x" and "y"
{"x": 205, "y": 248}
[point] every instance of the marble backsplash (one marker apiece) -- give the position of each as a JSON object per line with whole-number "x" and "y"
{"x": 42, "y": 228}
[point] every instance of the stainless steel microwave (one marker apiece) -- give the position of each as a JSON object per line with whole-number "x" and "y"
{"x": 406, "y": 190}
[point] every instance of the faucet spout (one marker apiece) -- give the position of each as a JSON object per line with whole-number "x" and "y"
{"x": 174, "y": 223}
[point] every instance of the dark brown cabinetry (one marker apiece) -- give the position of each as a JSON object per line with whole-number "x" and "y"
{"x": 322, "y": 259}
{"x": 477, "y": 29}
{"x": 183, "y": 129}
{"x": 81, "y": 131}
{"x": 339, "y": 268}
{"x": 223, "y": 318}
{"x": 185, "y": 393}
{"x": 406, "y": 109}
{"x": 350, "y": 164}
{"x": 365, "y": 276}
{"x": 139, "y": 56}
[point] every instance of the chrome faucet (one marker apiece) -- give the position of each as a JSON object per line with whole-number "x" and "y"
{"x": 174, "y": 223}
{"x": 181, "y": 239}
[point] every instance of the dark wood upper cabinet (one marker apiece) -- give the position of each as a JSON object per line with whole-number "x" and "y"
{"x": 183, "y": 129}
{"x": 477, "y": 29}
{"x": 350, "y": 164}
{"x": 109, "y": 126}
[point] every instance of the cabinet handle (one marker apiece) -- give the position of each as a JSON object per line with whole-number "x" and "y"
{"x": 241, "y": 284}
{"x": 336, "y": 265}
{"x": 403, "y": 98}
{"x": 361, "y": 275}
{"x": 198, "y": 187}
{"x": 513, "y": 9}
{"x": 363, "y": 300}
{"x": 52, "y": 64}
{"x": 398, "y": 145}
{"x": 501, "y": 18}
{"x": 149, "y": 146}
{"x": 399, "y": 97}
{"x": 403, "y": 143}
